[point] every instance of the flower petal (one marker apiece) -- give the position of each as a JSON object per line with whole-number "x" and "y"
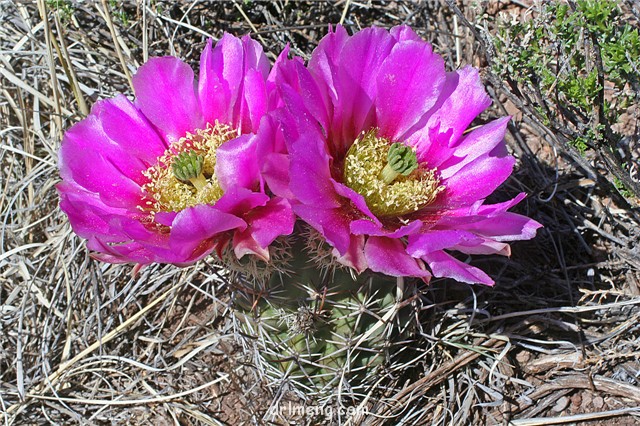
{"x": 505, "y": 227}
{"x": 388, "y": 256}
{"x": 428, "y": 242}
{"x": 237, "y": 163}
{"x": 409, "y": 82}
{"x": 476, "y": 144}
{"x": 462, "y": 99}
{"x": 333, "y": 224}
{"x": 165, "y": 93}
{"x": 367, "y": 227}
{"x": 444, "y": 265}
{"x": 268, "y": 222}
{"x": 221, "y": 73}
{"x": 478, "y": 179}
{"x": 89, "y": 158}
{"x": 309, "y": 169}
{"x": 194, "y": 225}
{"x": 354, "y": 256}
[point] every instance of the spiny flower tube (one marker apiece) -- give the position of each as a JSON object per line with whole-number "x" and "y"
{"x": 174, "y": 175}
{"x": 372, "y": 148}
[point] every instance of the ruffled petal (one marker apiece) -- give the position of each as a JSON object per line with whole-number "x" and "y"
{"x": 367, "y": 227}
{"x": 409, "y": 82}
{"x": 268, "y": 222}
{"x": 333, "y": 224}
{"x": 309, "y": 170}
{"x": 388, "y": 256}
{"x": 89, "y": 158}
{"x": 194, "y": 225}
{"x": 237, "y": 163}
{"x": 479, "y": 142}
{"x": 444, "y": 265}
{"x": 165, "y": 93}
{"x": 478, "y": 179}
{"x": 354, "y": 256}
{"x": 428, "y": 242}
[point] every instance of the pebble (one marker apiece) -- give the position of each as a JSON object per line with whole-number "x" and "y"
{"x": 598, "y": 402}
{"x": 561, "y": 404}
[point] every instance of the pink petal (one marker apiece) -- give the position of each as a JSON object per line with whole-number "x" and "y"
{"x": 239, "y": 201}
{"x": 463, "y": 98}
{"x": 445, "y": 265}
{"x": 367, "y": 227}
{"x": 237, "y": 163}
{"x": 194, "y": 225}
{"x": 404, "y": 33}
{"x": 244, "y": 243}
{"x": 309, "y": 173}
{"x": 125, "y": 125}
{"x": 428, "y": 242}
{"x": 268, "y": 222}
{"x": 354, "y": 256}
{"x": 273, "y": 158}
{"x": 388, "y": 256}
{"x": 505, "y": 227}
{"x": 221, "y": 74}
{"x": 333, "y": 224}
{"x": 355, "y": 199}
{"x": 476, "y": 144}
{"x": 324, "y": 60}
{"x": 93, "y": 161}
{"x": 254, "y": 102}
{"x": 478, "y": 179}
{"x": 360, "y": 61}
{"x": 409, "y": 82}
{"x": 488, "y": 246}
{"x": 165, "y": 93}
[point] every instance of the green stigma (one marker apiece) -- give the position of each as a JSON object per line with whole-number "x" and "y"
{"x": 389, "y": 176}
{"x": 401, "y": 160}
{"x": 187, "y": 167}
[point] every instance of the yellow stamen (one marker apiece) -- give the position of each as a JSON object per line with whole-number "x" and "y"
{"x": 184, "y": 175}
{"x": 388, "y": 177}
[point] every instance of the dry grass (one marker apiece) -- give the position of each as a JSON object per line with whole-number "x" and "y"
{"x": 91, "y": 343}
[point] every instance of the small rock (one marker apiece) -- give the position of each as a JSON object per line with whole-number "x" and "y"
{"x": 561, "y": 404}
{"x": 598, "y": 402}
{"x": 586, "y": 399}
{"x": 576, "y": 400}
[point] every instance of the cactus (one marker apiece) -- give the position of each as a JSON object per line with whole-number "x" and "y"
{"x": 316, "y": 325}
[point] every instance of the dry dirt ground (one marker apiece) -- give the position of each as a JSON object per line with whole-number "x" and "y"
{"x": 557, "y": 340}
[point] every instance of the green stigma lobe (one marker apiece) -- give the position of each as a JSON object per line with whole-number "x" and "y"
{"x": 187, "y": 166}
{"x": 402, "y": 159}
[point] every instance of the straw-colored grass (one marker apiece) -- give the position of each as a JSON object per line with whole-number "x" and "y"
{"x": 556, "y": 341}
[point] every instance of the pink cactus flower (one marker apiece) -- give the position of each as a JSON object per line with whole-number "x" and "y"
{"x": 174, "y": 175}
{"x": 371, "y": 146}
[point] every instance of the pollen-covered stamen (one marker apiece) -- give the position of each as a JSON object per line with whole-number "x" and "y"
{"x": 389, "y": 176}
{"x": 184, "y": 175}
{"x": 401, "y": 160}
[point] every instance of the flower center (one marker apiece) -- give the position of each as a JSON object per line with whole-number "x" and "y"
{"x": 388, "y": 176}
{"x": 184, "y": 175}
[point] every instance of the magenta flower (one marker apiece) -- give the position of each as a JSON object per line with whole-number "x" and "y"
{"x": 174, "y": 175}
{"x": 373, "y": 154}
